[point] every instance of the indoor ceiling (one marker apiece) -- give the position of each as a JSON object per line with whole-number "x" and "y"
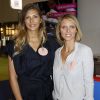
{"x": 31, "y": 1}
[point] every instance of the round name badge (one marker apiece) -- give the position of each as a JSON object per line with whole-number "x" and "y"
{"x": 43, "y": 51}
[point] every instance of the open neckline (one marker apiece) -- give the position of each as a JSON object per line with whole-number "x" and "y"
{"x": 32, "y": 48}
{"x": 37, "y": 48}
{"x": 68, "y": 55}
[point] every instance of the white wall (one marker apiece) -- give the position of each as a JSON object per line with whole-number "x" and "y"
{"x": 89, "y": 18}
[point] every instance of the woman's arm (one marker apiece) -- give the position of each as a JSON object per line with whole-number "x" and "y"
{"x": 88, "y": 69}
{"x": 13, "y": 80}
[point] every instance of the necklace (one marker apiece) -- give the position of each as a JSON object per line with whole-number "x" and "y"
{"x": 65, "y": 52}
{"x": 68, "y": 51}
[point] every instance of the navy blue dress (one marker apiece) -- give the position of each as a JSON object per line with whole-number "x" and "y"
{"x": 35, "y": 71}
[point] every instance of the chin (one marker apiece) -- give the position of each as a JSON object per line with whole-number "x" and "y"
{"x": 35, "y": 29}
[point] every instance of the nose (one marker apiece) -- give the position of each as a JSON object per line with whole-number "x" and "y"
{"x": 67, "y": 29}
{"x": 31, "y": 19}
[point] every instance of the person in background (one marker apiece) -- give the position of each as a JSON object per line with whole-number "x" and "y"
{"x": 73, "y": 64}
{"x": 31, "y": 57}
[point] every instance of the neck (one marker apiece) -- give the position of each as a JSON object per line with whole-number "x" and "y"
{"x": 34, "y": 36}
{"x": 69, "y": 46}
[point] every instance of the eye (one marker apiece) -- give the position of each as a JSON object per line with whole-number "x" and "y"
{"x": 27, "y": 17}
{"x": 35, "y": 16}
{"x": 72, "y": 26}
{"x": 63, "y": 27}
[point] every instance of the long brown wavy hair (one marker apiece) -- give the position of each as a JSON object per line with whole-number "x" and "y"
{"x": 21, "y": 37}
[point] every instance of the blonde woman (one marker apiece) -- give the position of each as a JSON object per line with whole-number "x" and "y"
{"x": 31, "y": 58}
{"x": 73, "y": 63}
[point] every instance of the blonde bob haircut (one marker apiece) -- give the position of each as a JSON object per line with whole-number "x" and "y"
{"x": 58, "y": 34}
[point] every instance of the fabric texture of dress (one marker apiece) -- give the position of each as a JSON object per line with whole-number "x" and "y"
{"x": 34, "y": 71}
{"x": 73, "y": 80}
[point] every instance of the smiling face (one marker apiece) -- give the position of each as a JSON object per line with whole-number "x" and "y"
{"x": 68, "y": 29}
{"x": 32, "y": 20}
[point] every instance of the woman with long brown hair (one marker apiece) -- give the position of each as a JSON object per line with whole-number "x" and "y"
{"x": 31, "y": 58}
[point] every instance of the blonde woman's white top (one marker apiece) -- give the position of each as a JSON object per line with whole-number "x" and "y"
{"x": 73, "y": 80}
